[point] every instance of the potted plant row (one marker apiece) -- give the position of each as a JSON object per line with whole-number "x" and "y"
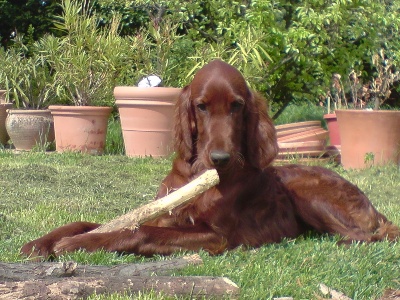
{"x": 72, "y": 76}
{"x": 87, "y": 62}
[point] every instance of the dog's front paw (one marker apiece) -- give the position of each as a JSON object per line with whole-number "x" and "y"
{"x": 87, "y": 241}
{"x": 37, "y": 250}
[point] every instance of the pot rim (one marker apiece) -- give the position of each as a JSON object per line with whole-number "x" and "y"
{"x": 146, "y": 93}
{"x": 364, "y": 111}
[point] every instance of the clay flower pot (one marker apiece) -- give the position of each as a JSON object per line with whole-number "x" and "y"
{"x": 313, "y": 148}
{"x": 30, "y": 128}
{"x": 369, "y": 137}
{"x": 301, "y": 140}
{"x": 80, "y": 128}
{"x": 146, "y": 119}
{"x": 296, "y": 128}
{"x": 333, "y": 128}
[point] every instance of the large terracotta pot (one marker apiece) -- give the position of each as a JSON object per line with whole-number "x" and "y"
{"x": 80, "y": 128}
{"x": 30, "y": 128}
{"x": 146, "y": 119}
{"x": 333, "y": 128}
{"x": 369, "y": 137}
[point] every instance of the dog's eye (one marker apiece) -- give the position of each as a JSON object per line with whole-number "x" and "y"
{"x": 201, "y": 107}
{"x": 236, "y": 106}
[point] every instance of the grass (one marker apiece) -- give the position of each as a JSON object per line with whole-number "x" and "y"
{"x": 114, "y": 141}
{"x": 41, "y": 191}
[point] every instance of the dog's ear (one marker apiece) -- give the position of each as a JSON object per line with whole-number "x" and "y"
{"x": 261, "y": 141}
{"x": 185, "y": 126}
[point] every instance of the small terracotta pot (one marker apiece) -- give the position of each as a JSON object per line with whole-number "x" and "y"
{"x": 146, "y": 119}
{"x": 80, "y": 128}
{"x": 30, "y": 128}
{"x": 333, "y": 128}
{"x": 369, "y": 137}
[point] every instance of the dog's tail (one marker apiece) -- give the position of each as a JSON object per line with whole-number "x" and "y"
{"x": 386, "y": 231}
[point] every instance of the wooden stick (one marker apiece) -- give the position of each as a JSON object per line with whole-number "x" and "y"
{"x": 134, "y": 218}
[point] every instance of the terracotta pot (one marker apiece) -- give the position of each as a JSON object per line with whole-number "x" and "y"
{"x": 3, "y": 115}
{"x": 301, "y": 149}
{"x": 333, "y": 128}
{"x": 80, "y": 128}
{"x": 369, "y": 137}
{"x": 307, "y": 135}
{"x": 297, "y": 126}
{"x": 146, "y": 119}
{"x": 30, "y": 128}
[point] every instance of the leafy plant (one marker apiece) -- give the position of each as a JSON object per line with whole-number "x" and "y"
{"x": 87, "y": 59}
{"x": 28, "y": 80}
{"x": 247, "y": 52}
{"x": 301, "y": 43}
{"x": 155, "y": 48}
{"x": 385, "y": 78}
{"x": 4, "y": 61}
{"x": 373, "y": 93}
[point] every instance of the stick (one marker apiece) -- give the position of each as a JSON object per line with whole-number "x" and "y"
{"x": 134, "y": 218}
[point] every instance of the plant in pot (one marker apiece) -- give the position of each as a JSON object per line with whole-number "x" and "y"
{"x": 31, "y": 86}
{"x": 85, "y": 60}
{"x": 371, "y": 136}
{"x": 146, "y": 111}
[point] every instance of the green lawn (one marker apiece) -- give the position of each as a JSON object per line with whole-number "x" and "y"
{"x": 41, "y": 191}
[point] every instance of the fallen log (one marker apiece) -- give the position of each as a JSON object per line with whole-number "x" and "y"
{"x": 77, "y": 288}
{"x": 134, "y": 218}
{"x": 35, "y": 271}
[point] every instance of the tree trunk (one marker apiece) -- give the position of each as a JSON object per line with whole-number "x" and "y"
{"x": 69, "y": 281}
{"x": 77, "y": 288}
{"x": 36, "y": 271}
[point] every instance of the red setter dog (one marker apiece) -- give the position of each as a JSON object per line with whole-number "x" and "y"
{"x": 221, "y": 124}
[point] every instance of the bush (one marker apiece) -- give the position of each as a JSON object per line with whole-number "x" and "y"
{"x": 288, "y": 50}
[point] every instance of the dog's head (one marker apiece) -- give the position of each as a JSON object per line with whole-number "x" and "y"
{"x": 220, "y": 123}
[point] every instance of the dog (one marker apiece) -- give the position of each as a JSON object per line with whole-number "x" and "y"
{"x": 220, "y": 123}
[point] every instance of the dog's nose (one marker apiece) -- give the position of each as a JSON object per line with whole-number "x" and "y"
{"x": 220, "y": 158}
